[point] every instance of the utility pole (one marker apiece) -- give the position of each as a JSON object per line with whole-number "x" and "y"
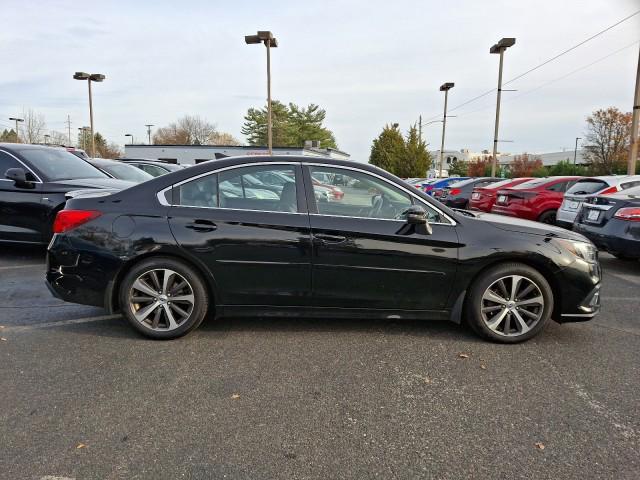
{"x": 420, "y": 127}
{"x": 633, "y": 154}
{"x": 499, "y": 47}
{"x": 445, "y": 87}
{"x": 149, "y": 125}
{"x": 69, "y": 127}
{"x": 575, "y": 151}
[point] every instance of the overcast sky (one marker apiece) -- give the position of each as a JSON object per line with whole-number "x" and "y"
{"x": 366, "y": 62}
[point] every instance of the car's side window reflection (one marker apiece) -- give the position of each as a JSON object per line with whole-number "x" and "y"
{"x": 201, "y": 192}
{"x": 360, "y": 195}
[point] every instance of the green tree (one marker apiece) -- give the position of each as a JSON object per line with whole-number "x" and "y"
{"x": 566, "y": 167}
{"x": 8, "y": 136}
{"x": 458, "y": 168}
{"x": 292, "y": 125}
{"x": 608, "y": 133}
{"x": 417, "y": 159}
{"x": 388, "y": 150}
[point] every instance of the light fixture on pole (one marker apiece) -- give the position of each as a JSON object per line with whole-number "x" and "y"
{"x": 575, "y": 150}
{"x": 149, "y": 125}
{"x": 17, "y": 120}
{"x": 90, "y": 77}
{"x": 46, "y": 139}
{"x": 445, "y": 87}
{"x": 499, "y": 48}
{"x": 269, "y": 41}
{"x": 129, "y": 135}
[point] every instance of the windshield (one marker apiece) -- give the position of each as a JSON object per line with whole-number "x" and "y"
{"x": 60, "y": 164}
{"x": 127, "y": 172}
{"x": 587, "y": 186}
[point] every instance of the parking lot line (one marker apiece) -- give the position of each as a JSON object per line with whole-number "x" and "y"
{"x": 74, "y": 321}
{"x": 626, "y": 278}
{"x": 11, "y": 267}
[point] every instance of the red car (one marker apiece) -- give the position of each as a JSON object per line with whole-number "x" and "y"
{"x": 483, "y": 198}
{"x": 538, "y": 199}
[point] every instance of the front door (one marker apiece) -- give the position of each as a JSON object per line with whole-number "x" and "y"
{"x": 254, "y": 237}
{"x": 21, "y": 213}
{"x": 365, "y": 254}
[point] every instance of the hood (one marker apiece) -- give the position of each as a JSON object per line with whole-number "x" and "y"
{"x": 110, "y": 183}
{"x": 519, "y": 225}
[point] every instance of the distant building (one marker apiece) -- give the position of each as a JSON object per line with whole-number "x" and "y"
{"x": 191, "y": 154}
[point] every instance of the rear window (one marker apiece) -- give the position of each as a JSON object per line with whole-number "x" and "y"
{"x": 462, "y": 183}
{"x": 532, "y": 184}
{"x": 500, "y": 184}
{"x": 587, "y": 186}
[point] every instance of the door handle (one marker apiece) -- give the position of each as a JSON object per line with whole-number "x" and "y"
{"x": 322, "y": 237}
{"x": 202, "y": 226}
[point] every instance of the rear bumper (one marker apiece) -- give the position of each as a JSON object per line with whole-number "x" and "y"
{"x": 566, "y": 218}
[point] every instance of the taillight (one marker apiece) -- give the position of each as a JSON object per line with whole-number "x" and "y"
{"x": 631, "y": 214}
{"x": 69, "y": 219}
{"x": 454, "y": 191}
{"x": 609, "y": 190}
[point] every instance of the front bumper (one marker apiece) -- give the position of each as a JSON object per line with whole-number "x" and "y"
{"x": 586, "y": 310}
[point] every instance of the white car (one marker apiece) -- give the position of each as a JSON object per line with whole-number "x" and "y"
{"x": 588, "y": 187}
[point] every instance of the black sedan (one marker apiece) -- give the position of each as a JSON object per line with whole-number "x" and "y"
{"x": 120, "y": 170}
{"x": 612, "y": 222}
{"x": 199, "y": 241}
{"x": 155, "y": 168}
{"x": 458, "y": 194}
{"x": 34, "y": 183}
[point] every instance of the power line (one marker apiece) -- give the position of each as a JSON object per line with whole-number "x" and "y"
{"x": 543, "y": 63}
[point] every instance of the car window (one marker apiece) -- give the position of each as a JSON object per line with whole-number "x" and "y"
{"x": 627, "y": 185}
{"x": 153, "y": 170}
{"x": 201, "y": 192}
{"x": 7, "y": 162}
{"x": 127, "y": 172}
{"x": 270, "y": 188}
{"x": 531, "y": 184}
{"x": 59, "y": 164}
{"x": 587, "y": 186}
{"x": 362, "y": 195}
{"x": 558, "y": 187}
{"x": 483, "y": 183}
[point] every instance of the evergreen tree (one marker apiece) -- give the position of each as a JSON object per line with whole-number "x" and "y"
{"x": 417, "y": 160}
{"x": 388, "y": 150}
{"x": 8, "y": 136}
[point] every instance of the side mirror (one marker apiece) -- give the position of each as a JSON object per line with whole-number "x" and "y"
{"x": 417, "y": 217}
{"x": 19, "y": 176}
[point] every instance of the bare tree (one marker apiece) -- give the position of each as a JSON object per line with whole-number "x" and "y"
{"x": 608, "y": 134}
{"x": 223, "y": 138}
{"x": 58, "y": 138}
{"x": 188, "y": 130}
{"x": 33, "y": 127}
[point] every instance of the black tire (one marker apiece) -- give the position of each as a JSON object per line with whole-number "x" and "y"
{"x": 196, "y": 289}
{"x": 548, "y": 217}
{"x": 474, "y": 302}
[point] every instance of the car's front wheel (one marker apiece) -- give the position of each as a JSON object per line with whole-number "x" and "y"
{"x": 163, "y": 298}
{"x": 509, "y": 303}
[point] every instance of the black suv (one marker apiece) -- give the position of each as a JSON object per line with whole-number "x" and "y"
{"x": 34, "y": 183}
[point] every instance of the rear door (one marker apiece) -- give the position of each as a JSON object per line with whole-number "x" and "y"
{"x": 21, "y": 214}
{"x": 255, "y": 241}
{"x": 365, "y": 256}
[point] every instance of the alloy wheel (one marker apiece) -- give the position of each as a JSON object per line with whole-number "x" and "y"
{"x": 512, "y": 305}
{"x": 161, "y": 299}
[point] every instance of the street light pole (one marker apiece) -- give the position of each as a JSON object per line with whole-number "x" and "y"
{"x": 445, "y": 87}
{"x": 17, "y": 120}
{"x": 633, "y": 154}
{"x": 46, "y": 139}
{"x": 93, "y": 77}
{"x": 575, "y": 151}
{"x": 499, "y": 47}
{"x": 129, "y": 135}
{"x": 267, "y": 38}
{"x": 149, "y": 125}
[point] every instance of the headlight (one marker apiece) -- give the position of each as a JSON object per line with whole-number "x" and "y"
{"x": 583, "y": 250}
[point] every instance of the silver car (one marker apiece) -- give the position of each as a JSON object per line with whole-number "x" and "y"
{"x": 588, "y": 187}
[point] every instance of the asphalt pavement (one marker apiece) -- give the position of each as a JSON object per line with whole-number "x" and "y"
{"x": 82, "y": 396}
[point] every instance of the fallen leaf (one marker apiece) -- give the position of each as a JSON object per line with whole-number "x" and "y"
{"x": 235, "y": 396}
{"x": 484, "y": 367}
{"x": 3, "y": 339}
{"x": 463, "y": 355}
{"x": 1, "y": 327}
{"x": 540, "y": 445}
{"x": 80, "y": 445}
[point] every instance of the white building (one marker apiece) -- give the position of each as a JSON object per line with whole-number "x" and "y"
{"x": 191, "y": 154}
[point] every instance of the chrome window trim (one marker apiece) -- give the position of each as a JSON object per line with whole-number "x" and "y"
{"x": 161, "y": 198}
{"x": 366, "y": 172}
{"x": 24, "y": 165}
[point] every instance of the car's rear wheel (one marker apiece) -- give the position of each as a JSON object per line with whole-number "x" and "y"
{"x": 509, "y": 303}
{"x": 548, "y": 217}
{"x": 163, "y": 298}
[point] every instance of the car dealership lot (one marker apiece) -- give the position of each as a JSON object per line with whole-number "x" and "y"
{"x": 84, "y": 396}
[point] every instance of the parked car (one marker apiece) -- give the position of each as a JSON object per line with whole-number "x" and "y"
{"x": 34, "y": 183}
{"x": 120, "y": 170}
{"x": 483, "y": 198}
{"x": 166, "y": 263}
{"x": 538, "y": 199}
{"x": 588, "y": 187}
{"x": 439, "y": 183}
{"x": 612, "y": 222}
{"x": 154, "y": 168}
{"x": 458, "y": 194}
